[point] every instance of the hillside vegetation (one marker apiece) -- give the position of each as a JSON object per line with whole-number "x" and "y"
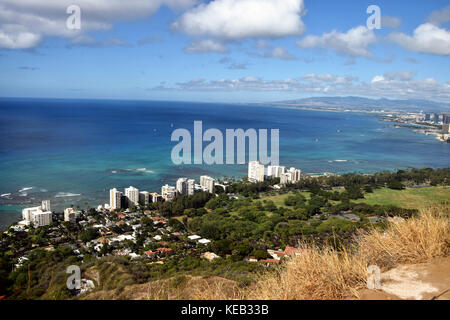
{"x": 328, "y": 273}
{"x": 323, "y": 273}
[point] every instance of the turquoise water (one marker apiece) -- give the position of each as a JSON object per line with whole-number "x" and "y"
{"x": 9, "y": 214}
{"x": 74, "y": 151}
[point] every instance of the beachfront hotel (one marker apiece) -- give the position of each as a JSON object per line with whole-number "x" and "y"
{"x": 168, "y": 192}
{"x": 115, "y": 199}
{"x": 208, "y": 183}
{"x": 291, "y": 176}
{"x": 255, "y": 171}
{"x": 186, "y": 186}
{"x": 37, "y": 215}
{"x": 144, "y": 198}
{"x": 132, "y": 195}
{"x": 46, "y": 205}
{"x": 275, "y": 171}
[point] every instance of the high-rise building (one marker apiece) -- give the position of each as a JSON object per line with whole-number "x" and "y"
{"x": 144, "y": 198}
{"x": 291, "y": 176}
{"x": 255, "y": 171}
{"x": 208, "y": 183}
{"x": 285, "y": 178}
{"x": 446, "y": 119}
{"x": 182, "y": 185}
{"x": 41, "y": 218}
{"x": 27, "y": 213}
{"x": 275, "y": 171}
{"x": 190, "y": 187}
{"x": 185, "y": 186}
{"x": 156, "y": 197}
{"x": 70, "y": 215}
{"x": 46, "y": 205}
{"x": 115, "y": 199}
{"x": 168, "y": 192}
{"x": 132, "y": 195}
{"x": 436, "y": 118}
{"x": 295, "y": 175}
{"x": 428, "y": 117}
{"x": 38, "y": 217}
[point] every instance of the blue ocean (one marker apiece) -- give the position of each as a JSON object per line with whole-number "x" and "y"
{"x": 73, "y": 151}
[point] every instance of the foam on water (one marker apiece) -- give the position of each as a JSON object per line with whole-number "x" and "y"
{"x": 66, "y": 194}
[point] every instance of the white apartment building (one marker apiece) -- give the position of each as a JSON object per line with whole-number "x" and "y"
{"x": 144, "y": 198}
{"x": 46, "y": 205}
{"x": 41, "y": 218}
{"x": 182, "y": 186}
{"x": 132, "y": 195}
{"x": 208, "y": 183}
{"x": 168, "y": 192}
{"x": 291, "y": 176}
{"x": 156, "y": 197}
{"x": 296, "y": 175}
{"x": 186, "y": 186}
{"x": 115, "y": 199}
{"x": 70, "y": 215}
{"x": 27, "y": 213}
{"x": 255, "y": 171}
{"x": 275, "y": 171}
{"x": 38, "y": 217}
{"x": 190, "y": 187}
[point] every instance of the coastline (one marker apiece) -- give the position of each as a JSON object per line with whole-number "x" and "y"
{"x": 318, "y": 141}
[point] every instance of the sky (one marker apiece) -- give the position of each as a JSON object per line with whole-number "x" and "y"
{"x": 224, "y": 50}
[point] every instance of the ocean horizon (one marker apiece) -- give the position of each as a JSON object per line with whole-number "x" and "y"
{"x": 73, "y": 151}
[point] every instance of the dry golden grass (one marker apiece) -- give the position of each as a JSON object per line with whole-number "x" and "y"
{"x": 321, "y": 274}
{"x": 193, "y": 288}
{"x": 324, "y": 273}
{"x": 216, "y": 290}
{"x": 329, "y": 274}
{"x": 415, "y": 240}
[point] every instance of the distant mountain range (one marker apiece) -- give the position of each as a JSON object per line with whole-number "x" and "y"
{"x": 366, "y": 104}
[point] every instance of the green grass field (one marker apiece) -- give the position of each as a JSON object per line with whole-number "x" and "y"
{"x": 279, "y": 198}
{"x": 408, "y": 198}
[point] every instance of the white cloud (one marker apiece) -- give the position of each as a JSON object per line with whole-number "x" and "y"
{"x": 426, "y": 38}
{"x": 238, "y": 19}
{"x": 86, "y": 41}
{"x": 279, "y": 53}
{"x": 328, "y": 78}
{"x": 15, "y": 37}
{"x": 390, "y": 22}
{"x": 440, "y": 16}
{"x": 378, "y": 79}
{"x": 24, "y": 23}
{"x": 263, "y": 45}
{"x": 397, "y": 85}
{"x": 205, "y": 46}
{"x": 399, "y": 75}
{"x": 353, "y": 43}
{"x": 238, "y": 66}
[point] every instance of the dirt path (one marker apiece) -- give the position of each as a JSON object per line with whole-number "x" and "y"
{"x": 425, "y": 281}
